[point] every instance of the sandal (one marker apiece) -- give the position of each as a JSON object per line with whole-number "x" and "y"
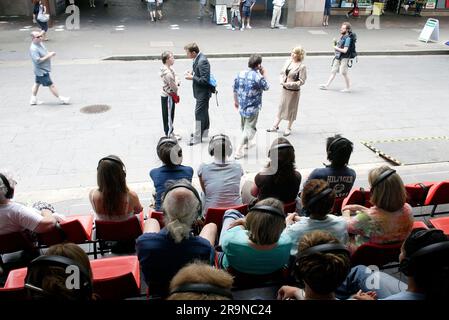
{"x": 273, "y": 129}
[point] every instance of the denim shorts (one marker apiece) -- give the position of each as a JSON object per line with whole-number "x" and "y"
{"x": 43, "y": 25}
{"x": 327, "y": 11}
{"x": 151, "y": 6}
{"x": 44, "y": 80}
{"x": 246, "y": 11}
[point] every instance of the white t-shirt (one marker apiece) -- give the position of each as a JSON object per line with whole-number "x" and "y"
{"x": 337, "y": 226}
{"x": 16, "y": 217}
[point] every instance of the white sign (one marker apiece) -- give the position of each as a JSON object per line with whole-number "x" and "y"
{"x": 221, "y": 12}
{"x": 431, "y": 31}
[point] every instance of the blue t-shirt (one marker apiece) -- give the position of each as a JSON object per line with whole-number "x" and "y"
{"x": 341, "y": 179}
{"x": 249, "y": 3}
{"x": 161, "y": 175}
{"x": 161, "y": 258}
{"x": 345, "y": 41}
{"x": 242, "y": 257}
{"x": 38, "y": 51}
{"x": 406, "y": 295}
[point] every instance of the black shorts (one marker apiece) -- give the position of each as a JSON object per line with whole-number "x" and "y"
{"x": 44, "y": 80}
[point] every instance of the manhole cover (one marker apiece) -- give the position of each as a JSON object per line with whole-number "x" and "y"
{"x": 95, "y": 108}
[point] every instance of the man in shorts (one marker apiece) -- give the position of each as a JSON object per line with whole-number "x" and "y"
{"x": 341, "y": 60}
{"x": 42, "y": 67}
{"x": 246, "y": 13}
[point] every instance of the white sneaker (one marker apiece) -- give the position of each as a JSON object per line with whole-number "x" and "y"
{"x": 232, "y": 28}
{"x": 34, "y": 101}
{"x": 242, "y": 28}
{"x": 345, "y": 90}
{"x": 323, "y": 87}
{"x": 249, "y": 27}
{"x": 64, "y": 100}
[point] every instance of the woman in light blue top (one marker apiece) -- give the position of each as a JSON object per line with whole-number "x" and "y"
{"x": 318, "y": 200}
{"x": 255, "y": 244}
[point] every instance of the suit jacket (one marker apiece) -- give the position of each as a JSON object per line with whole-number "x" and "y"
{"x": 201, "y": 75}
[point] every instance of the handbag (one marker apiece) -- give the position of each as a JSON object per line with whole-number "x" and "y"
{"x": 175, "y": 97}
{"x": 43, "y": 17}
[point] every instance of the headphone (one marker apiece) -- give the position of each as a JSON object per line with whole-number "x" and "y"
{"x": 113, "y": 159}
{"x": 280, "y": 146}
{"x": 167, "y": 140}
{"x": 408, "y": 265}
{"x": 204, "y": 288}
{"x": 187, "y": 186}
{"x": 382, "y": 177}
{"x": 9, "y": 191}
{"x": 321, "y": 248}
{"x": 268, "y": 209}
{"x": 33, "y": 279}
{"x": 226, "y": 147}
{"x": 333, "y": 148}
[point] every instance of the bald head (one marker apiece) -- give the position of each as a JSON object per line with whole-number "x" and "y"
{"x": 36, "y": 35}
{"x": 180, "y": 198}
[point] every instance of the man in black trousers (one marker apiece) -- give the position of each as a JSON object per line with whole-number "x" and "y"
{"x": 201, "y": 91}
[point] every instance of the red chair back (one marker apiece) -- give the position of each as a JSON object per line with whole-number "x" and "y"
{"x": 419, "y": 224}
{"x": 76, "y": 229}
{"x": 337, "y": 206}
{"x": 417, "y": 193}
{"x": 246, "y": 281}
{"x": 358, "y": 196}
{"x": 290, "y": 207}
{"x": 441, "y": 223}
{"x": 376, "y": 254}
{"x": 215, "y": 215}
{"x": 13, "y": 242}
{"x": 438, "y": 194}
{"x": 159, "y": 216}
{"x": 126, "y": 230}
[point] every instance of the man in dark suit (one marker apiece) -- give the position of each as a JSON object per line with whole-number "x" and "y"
{"x": 201, "y": 91}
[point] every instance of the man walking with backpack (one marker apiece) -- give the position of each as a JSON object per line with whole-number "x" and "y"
{"x": 344, "y": 53}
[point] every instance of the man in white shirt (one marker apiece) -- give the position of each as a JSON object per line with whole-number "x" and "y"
{"x": 15, "y": 217}
{"x": 277, "y": 10}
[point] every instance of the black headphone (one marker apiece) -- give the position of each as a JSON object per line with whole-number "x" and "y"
{"x": 187, "y": 186}
{"x": 33, "y": 279}
{"x": 9, "y": 191}
{"x": 317, "y": 197}
{"x": 280, "y": 146}
{"x": 167, "y": 140}
{"x": 382, "y": 177}
{"x": 203, "y": 288}
{"x": 408, "y": 265}
{"x": 333, "y": 148}
{"x": 113, "y": 159}
{"x": 226, "y": 144}
{"x": 320, "y": 248}
{"x": 268, "y": 209}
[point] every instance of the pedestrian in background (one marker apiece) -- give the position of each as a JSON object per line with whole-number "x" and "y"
{"x": 277, "y": 11}
{"x": 235, "y": 13}
{"x": 293, "y": 76}
{"x": 247, "y": 9}
{"x": 159, "y": 6}
{"x": 327, "y": 13}
{"x": 169, "y": 94}
{"x": 40, "y": 17}
{"x": 42, "y": 67}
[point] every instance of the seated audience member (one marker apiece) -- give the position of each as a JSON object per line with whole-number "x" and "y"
{"x": 338, "y": 175}
{"x": 390, "y": 219}
{"x": 321, "y": 266}
{"x": 47, "y": 275}
{"x": 113, "y": 200}
{"x": 424, "y": 259}
{"x": 163, "y": 252}
{"x": 199, "y": 281}
{"x": 15, "y": 217}
{"x": 278, "y": 179}
{"x": 317, "y": 200}
{"x": 255, "y": 243}
{"x": 170, "y": 153}
{"x": 220, "y": 180}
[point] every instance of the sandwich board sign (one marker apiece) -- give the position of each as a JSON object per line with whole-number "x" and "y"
{"x": 221, "y": 12}
{"x": 431, "y": 31}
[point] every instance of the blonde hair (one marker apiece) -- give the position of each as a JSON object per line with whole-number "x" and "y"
{"x": 390, "y": 194}
{"x": 199, "y": 272}
{"x": 299, "y": 52}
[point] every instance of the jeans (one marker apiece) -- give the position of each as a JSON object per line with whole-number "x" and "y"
{"x": 363, "y": 278}
{"x": 236, "y": 14}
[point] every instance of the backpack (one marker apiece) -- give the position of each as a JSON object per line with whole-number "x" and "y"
{"x": 213, "y": 86}
{"x": 352, "y": 52}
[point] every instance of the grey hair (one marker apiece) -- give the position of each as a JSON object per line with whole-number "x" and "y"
{"x": 181, "y": 208}
{"x": 11, "y": 181}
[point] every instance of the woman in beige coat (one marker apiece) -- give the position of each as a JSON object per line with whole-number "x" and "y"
{"x": 293, "y": 76}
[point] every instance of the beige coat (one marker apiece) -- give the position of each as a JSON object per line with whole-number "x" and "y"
{"x": 170, "y": 81}
{"x": 292, "y": 78}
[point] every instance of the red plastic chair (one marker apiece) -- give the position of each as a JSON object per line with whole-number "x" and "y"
{"x": 417, "y": 193}
{"x": 113, "y": 278}
{"x": 117, "y": 277}
{"x": 13, "y": 242}
{"x": 376, "y": 254}
{"x": 215, "y": 215}
{"x": 419, "y": 224}
{"x": 124, "y": 231}
{"x": 290, "y": 207}
{"x": 441, "y": 223}
{"x": 14, "y": 288}
{"x": 158, "y": 215}
{"x": 438, "y": 194}
{"x": 358, "y": 196}
{"x": 76, "y": 229}
{"x": 336, "y": 209}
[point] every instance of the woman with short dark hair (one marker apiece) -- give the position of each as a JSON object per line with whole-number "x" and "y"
{"x": 169, "y": 94}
